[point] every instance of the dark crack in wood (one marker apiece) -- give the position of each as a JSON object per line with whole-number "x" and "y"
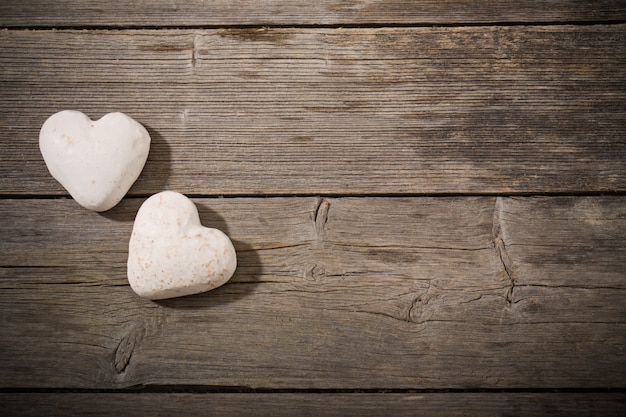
{"x": 500, "y": 248}
{"x": 321, "y": 217}
{"x": 125, "y": 348}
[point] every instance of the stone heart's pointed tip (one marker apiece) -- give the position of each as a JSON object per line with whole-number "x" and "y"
{"x": 98, "y": 208}
{"x": 95, "y": 161}
{"x": 98, "y": 205}
{"x": 169, "y": 293}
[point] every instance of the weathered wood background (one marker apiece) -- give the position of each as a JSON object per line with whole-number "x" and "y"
{"x": 428, "y": 200}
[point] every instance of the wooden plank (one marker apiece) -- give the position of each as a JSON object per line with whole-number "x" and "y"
{"x": 332, "y": 111}
{"x": 582, "y": 230}
{"x": 343, "y": 293}
{"x": 118, "y": 13}
{"x": 287, "y": 404}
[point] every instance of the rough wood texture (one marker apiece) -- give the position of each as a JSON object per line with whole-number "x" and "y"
{"x": 345, "y": 293}
{"x": 332, "y": 111}
{"x": 284, "y": 12}
{"x": 424, "y": 286}
{"x": 284, "y": 404}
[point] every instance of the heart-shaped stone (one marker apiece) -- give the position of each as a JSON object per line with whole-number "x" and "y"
{"x": 96, "y": 161}
{"x": 171, "y": 254}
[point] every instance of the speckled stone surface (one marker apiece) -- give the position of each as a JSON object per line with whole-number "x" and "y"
{"x": 96, "y": 161}
{"x": 171, "y": 254}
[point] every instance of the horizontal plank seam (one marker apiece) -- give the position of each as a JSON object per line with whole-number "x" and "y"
{"x": 159, "y": 389}
{"x": 371, "y": 25}
{"x": 622, "y": 193}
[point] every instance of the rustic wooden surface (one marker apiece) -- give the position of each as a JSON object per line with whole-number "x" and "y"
{"x": 334, "y": 111}
{"x": 427, "y": 201}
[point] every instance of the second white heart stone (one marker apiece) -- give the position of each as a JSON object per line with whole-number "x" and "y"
{"x": 96, "y": 161}
{"x": 171, "y": 254}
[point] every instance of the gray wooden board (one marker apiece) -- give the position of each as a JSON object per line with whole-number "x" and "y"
{"x": 312, "y": 404}
{"x": 515, "y": 109}
{"x": 81, "y": 13}
{"x": 341, "y": 293}
{"x": 369, "y": 293}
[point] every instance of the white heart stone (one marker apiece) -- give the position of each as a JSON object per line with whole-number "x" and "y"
{"x": 171, "y": 254}
{"x": 96, "y": 161}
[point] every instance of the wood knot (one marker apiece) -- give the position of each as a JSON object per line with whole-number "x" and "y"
{"x": 125, "y": 348}
{"x": 314, "y": 272}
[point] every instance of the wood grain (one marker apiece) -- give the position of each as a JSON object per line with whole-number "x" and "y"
{"x": 286, "y": 404}
{"x": 332, "y": 111}
{"x": 341, "y": 293}
{"x": 418, "y": 283}
{"x": 115, "y": 13}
